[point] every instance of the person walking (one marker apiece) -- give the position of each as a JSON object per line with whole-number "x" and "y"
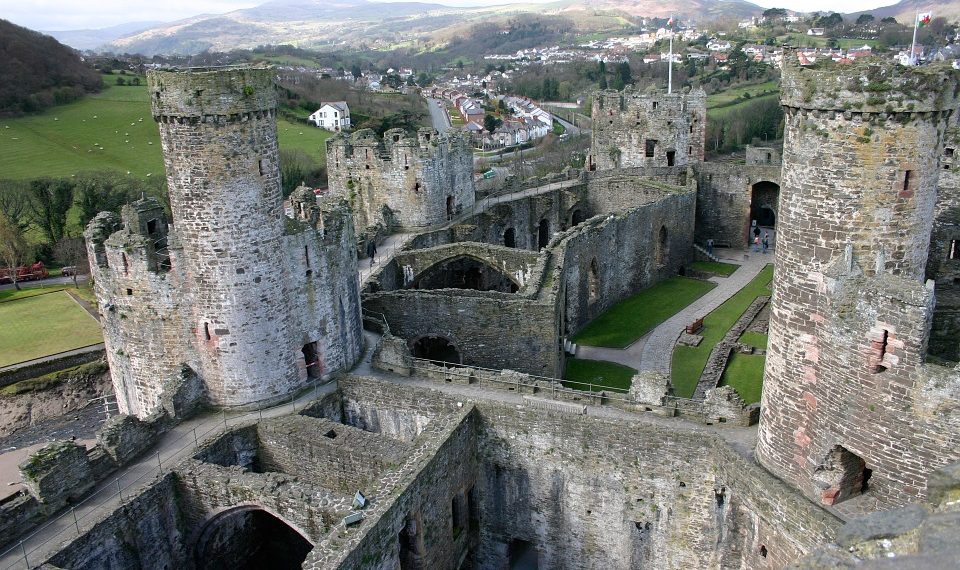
{"x": 710, "y": 246}
{"x": 766, "y": 241}
{"x": 756, "y": 243}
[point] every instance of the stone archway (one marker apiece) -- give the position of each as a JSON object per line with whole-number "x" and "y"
{"x": 543, "y": 234}
{"x": 764, "y": 199}
{"x": 465, "y": 272}
{"x": 437, "y": 348}
{"x": 250, "y": 537}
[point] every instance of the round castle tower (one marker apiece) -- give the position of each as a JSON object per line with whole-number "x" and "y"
{"x": 850, "y": 312}
{"x": 219, "y": 136}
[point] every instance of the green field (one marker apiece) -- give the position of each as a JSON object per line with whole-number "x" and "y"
{"x": 113, "y": 130}
{"x": 716, "y": 113}
{"x": 40, "y": 325}
{"x": 745, "y": 373}
{"x": 11, "y": 294}
{"x": 688, "y": 361}
{"x": 728, "y": 96}
{"x": 629, "y": 320}
{"x": 715, "y": 267}
{"x": 599, "y": 373}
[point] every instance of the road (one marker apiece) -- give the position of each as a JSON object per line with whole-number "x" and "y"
{"x": 438, "y": 115}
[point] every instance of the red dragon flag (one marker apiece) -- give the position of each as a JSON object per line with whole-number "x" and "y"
{"x": 924, "y": 19}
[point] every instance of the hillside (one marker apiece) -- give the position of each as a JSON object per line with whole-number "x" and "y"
{"x": 92, "y": 39}
{"x": 37, "y": 71}
{"x": 350, "y": 23}
{"x": 906, "y": 10}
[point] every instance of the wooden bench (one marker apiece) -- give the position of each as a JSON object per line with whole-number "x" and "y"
{"x": 695, "y": 327}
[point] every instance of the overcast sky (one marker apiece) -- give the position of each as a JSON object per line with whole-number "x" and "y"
{"x": 79, "y": 14}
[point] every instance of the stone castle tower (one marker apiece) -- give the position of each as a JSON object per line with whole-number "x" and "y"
{"x": 850, "y": 404}
{"x": 633, "y": 129}
{"x": 399, "y": 180}
{"x": 250, "y": 304}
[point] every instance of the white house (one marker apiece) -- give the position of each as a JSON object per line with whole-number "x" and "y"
{"x": 332, "y": 115}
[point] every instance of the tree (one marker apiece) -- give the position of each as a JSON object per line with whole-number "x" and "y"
{"x": 889, "y": 20}
{"x": 774, "y": 13}
{"x": 50, "y": 199}
{"x": 460, "y": 64}
{"x": 490, "y": 123}
{"x": 71, "y": 251}
{"x": 355, "y": 71}
{"x": 865, "y": 19}
{"x": 603, "y": 82}
{"x": 298, "y": 167}
{"x": 14, "y": 248}
{"x": 135, "y": 81}
{"x": 623, "y": 76}
{"x": 13, "y": 202}
{"x": 121, "y": 81}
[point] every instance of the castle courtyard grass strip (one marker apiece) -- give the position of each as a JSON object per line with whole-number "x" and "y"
{"x": 745, "y": 373}
{"x": 29, "y": 290}
{"x": 42, "y": 325}
{"x": 600, "y": 373}
{"x": 754, "y": 339}
{"x": 634, "y": 317}
{"x": 715, "y": 267}
{"x": 688, "y": 361}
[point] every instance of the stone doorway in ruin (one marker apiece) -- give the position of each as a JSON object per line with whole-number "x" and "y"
{"x": 450, "y": 208}
{"x": 510, "y": 238}
{"x": 436, "y": 348}
{"x": 523, "y": 555}
{"x": 311, "y": 358}
{"x": 543, "y": 234}
{"x": 842, "y": 475}
{"x": 249, "y": 537}
{"x": 764, "y": 199}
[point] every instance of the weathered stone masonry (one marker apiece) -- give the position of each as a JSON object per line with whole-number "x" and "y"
{"x": 399, "y": 180}
{"x": 252, "y": 303}
{"x": 849, "y": 403}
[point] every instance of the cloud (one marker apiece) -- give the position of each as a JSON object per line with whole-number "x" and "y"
{"x": 73, "y": 14}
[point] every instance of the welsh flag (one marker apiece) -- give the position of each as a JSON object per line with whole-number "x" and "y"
{"x": 924, "y": 19}
{"x": 670, "y": 21}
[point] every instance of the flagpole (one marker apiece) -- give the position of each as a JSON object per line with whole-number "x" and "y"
{"x": 913, "y": 46}
{"x": 670, "y": 64}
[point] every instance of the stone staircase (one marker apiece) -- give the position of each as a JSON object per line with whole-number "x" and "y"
{"x": 705, "y": 253}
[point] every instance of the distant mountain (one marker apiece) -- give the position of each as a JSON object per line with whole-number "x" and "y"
{"x": 906, "y": 10}
{"x": 92, "y": 39}
{"x": 37, "y": 71}
{"x": 321, "y": 23}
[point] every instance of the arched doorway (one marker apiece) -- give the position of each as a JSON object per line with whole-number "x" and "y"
{"x": 510, "y": 238}
{"x": 764, "y": 198}
{"x": 464, "y": 272}
{"x": 250, "y": 538}
{"x": 450, "y": 207}
{"x": 662, "y": 248}
{"x": 436, "y": 348}
{"x": 543, "y": 234}
{"x": 576, "y": 217}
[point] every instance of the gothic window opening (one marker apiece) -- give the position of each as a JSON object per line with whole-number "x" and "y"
{"x": 671, "y": 157}
{"x": 261, "y": 166}
{"x": 152, "y": 226}
{"x": 906, "y": 180}
{"x": 311, "y": 360}
{"x": 543, "y": 234}
{"x": 206, "y": 331}
{"x": 510, "y": 238}
{"x": 954, "y": 249}
{"x": 651, "y": 147}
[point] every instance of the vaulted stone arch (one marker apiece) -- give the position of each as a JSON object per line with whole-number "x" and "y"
{"x": 250, "y": 537}
{"x": 465, "y": 271}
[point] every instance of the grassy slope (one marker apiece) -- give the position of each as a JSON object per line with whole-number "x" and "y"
{"x": 600, "y": 373}
{"x": 63, "y": 139}
{"x": 754, "y": 339}
{"x": 42, "y": 325}
{"x": 688, "y": 361}
{"x": 729, "y": 95}
{"x": 634, "y": 317}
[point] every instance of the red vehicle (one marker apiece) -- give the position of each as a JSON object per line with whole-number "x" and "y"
{"x": 25, "y": 273}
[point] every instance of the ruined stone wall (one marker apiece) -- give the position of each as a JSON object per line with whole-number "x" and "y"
{"x": 517, "y": 264}
{"x": 845, "y": 359}
{"x": 146, "y": 531}
{"x": 401, "y": 180}
{"x": 592, "y": 493}
{"x": 490, "y": 329}
{"x": 723, "y": 200}
{"x": 642, "y": 129}
{"x": 606, "y": 259}
{"x": 523, "y": 215}
{"x": 943, "y": 263}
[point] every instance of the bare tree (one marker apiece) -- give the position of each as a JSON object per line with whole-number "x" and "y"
{"x": 14, "y": 248}
{"x": 72, "y": 252}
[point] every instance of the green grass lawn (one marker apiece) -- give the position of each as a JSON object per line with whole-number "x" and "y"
{"x": 745, "y": 373}
{"x": 754, "y": 339}
{"x": 688, "y": 361}
{"x": 42, "y": 325}
{"x": 715, "y": 267}
{"x": 716, "y": 113}
{"x": 634, "y": 317}
{"x": 600, "y": 373}
{"x": 28, "y": 291}
{"x": 113, "y": 129}
{"x": 728, "y": 96}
